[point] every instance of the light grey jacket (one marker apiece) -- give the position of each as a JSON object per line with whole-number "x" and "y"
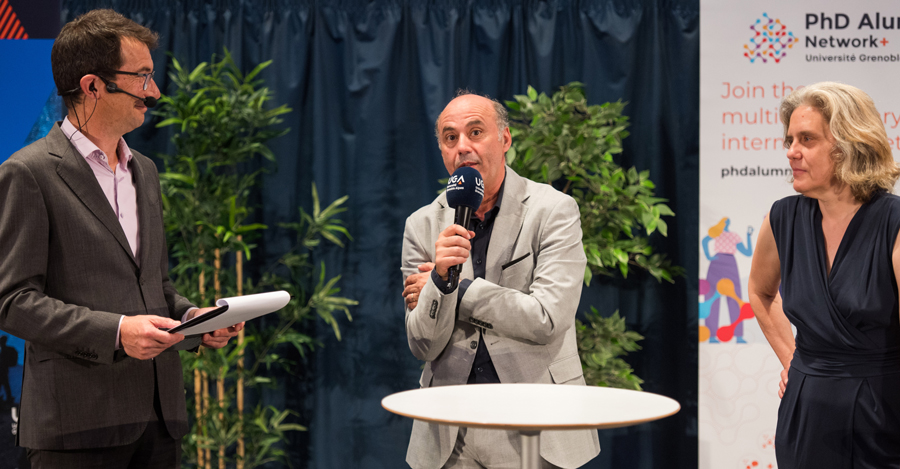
{"x": 526, "y": 304}
{"x": 67, "y": 273}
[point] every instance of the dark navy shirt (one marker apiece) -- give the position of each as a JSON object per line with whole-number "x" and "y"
{"x": 483, "y": 371}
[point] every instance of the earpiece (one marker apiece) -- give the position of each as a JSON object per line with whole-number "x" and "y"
{"x": 92, "y": 87}
{"x": 112, "y": 88}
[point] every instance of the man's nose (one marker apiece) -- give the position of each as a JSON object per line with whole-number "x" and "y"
{"x": 464, "y": 145}
{"x": 153, "y": 89}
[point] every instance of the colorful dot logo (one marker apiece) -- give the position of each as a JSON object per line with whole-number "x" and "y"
{"x": 770, "y": 40}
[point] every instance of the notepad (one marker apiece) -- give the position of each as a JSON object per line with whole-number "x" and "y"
{"x": 234, "y": 310}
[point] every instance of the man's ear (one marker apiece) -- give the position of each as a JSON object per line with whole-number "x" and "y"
{"x": 506, "y": 137}
{"x": 89, "y": 86}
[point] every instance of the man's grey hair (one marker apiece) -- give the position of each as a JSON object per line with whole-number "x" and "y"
{"x": 502, "y": 116}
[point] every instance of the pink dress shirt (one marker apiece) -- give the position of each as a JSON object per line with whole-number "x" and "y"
{"x": 118, "y": 185}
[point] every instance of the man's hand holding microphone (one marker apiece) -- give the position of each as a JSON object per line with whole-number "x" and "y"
{"x": 465, "y": 190}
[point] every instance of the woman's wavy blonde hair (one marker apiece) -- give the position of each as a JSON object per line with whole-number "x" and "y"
{"x": 862, "y": 152}
{"x": 716, "y": 230}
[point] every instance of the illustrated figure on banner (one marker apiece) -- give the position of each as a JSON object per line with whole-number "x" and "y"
{"x": 723, "y": 279}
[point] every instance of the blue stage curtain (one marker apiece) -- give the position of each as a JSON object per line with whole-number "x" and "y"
{"x": 366, "y": 80}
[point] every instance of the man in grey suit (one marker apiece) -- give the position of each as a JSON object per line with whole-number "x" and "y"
{"x": 512, "y": 317}
{"x": 83, "y": 270}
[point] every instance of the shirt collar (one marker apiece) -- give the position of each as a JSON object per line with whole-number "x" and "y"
{"x": 87, "y": 148}
{"x": 492, "y": 213}
{"x": 500, "y": 193}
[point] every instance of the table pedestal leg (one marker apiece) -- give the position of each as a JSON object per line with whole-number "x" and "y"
{"x": 531, "y": 449}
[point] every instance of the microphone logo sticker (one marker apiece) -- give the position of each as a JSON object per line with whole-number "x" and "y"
{"x": 466, "y": 187}
{"x": 456, "y": 183}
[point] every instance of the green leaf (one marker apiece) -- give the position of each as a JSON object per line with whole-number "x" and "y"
{"x": 662, "y": 227}
{"x": 511, "y": 155}
{"x": 664, "y": 210}
{"x": 169, "y": 121}
{"x": 177, "y": 177}
{"x": 256, "y": 70}
{"x": 621, "y": 256}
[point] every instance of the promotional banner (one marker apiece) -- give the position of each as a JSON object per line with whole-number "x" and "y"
{"x": 752, "y": 55}
{"x": 30, "y": 106}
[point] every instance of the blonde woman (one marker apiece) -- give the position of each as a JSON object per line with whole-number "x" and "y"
{"x": 827, "y": 261}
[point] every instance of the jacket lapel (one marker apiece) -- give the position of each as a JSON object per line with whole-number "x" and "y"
{"x": 507, "y": 226}
{"x": 77, "y": 174}
{"x": 146, "y": 209}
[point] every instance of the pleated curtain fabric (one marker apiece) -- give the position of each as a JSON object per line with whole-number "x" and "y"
{"x": 366, "y": 81}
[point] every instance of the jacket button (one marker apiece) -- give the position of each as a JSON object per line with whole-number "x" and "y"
{"x": 473, "y": 345}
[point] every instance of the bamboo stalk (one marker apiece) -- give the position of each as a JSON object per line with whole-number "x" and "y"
{"x": 205, "y": 380}
{"x": 198, "y": 414}
{"x": 220, "y": 380}
{"x": 220, "y": 390}
{"x": 217, "y": 262}
{"x": 239, "y": 266}
{"x": 198, "y": 379}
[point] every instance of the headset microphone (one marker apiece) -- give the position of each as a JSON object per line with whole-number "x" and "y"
{"x": 465, "y": 189}
{"x": 149, "y": 101}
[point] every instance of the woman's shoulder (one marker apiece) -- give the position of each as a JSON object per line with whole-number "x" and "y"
{"x": 886, "y": 201}
{"x": 886, "y": 210}
{"x": 791, "y": 204}
{"x": 787, "y": 215}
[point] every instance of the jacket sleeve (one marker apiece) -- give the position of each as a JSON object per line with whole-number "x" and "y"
{"x": 25, "y": 310}
{"x": 547, "y": 308}
{"x": 430, "y": 324}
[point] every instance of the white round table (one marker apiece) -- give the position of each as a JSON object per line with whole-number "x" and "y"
{"x": 530, "y": 408}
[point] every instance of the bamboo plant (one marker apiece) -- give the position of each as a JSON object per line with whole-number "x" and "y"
{"x": 221, "y": 121}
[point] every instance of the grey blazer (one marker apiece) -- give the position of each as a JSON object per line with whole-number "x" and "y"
{"x": 526, "y": 304}
{"x": 67, "y": 273}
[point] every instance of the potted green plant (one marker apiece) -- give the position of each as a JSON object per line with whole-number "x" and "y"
{"x": 222, "y": 121}
{"x": 564, "y": 141}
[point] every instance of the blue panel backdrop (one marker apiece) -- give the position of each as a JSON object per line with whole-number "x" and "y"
{"x": 29, "y": 108}
{"x": 366, "y": 80}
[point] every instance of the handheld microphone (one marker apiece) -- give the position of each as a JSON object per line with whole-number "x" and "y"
{"x": 465, "y": 189}
{"x": 149, "y": 101}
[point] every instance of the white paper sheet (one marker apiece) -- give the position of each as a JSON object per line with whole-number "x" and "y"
{"x": 240, "y": 309}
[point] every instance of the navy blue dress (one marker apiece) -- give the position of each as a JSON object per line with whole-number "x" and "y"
{"x": 841, "y": 408}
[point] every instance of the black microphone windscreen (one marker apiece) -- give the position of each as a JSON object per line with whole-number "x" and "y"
{"x": 465, "y": 188}
{"x": 150, "y": 101}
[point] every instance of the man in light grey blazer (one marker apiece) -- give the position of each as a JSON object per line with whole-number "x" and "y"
{"x": 512, "y": 317}
{"x": 83, "y": 269}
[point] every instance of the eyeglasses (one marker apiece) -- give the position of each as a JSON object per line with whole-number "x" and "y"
{"x": 147, "y": 76}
